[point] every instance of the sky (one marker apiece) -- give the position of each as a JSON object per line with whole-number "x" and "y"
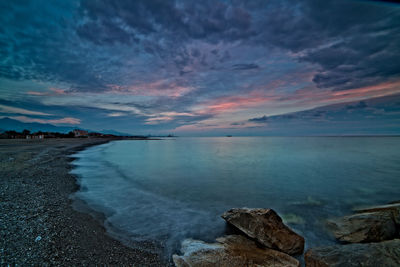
{"x": 202, "y": 67}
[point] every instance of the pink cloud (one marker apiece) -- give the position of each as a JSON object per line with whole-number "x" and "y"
{"x": 67, "y": 120}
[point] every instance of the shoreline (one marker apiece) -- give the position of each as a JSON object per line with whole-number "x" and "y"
{"x": 39, "y": 224}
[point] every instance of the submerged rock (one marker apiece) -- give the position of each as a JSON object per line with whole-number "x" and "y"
{"x": 394, "y": 208}
{"x": 291, "y": 218}
{"x": 267, "y": 228}
{"x": 386, "y": 253}
{"x": 364, "y": 227}
{"x": 310, "y": 201}
{"x": 229, "y": 251}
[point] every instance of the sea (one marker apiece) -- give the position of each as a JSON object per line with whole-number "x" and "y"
{"x": 165, "y": 191}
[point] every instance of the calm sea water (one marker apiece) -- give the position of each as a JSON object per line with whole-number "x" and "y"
{"x": 168, "y": 190}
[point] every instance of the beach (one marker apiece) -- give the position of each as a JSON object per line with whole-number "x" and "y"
{"x": 38, "y": 224}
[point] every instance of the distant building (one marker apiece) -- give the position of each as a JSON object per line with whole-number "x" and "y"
{"x": 80, "y": 133}
{"x": 36, "y": 136}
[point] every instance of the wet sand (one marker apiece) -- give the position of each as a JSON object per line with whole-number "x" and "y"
{"x": 38, "y": 225}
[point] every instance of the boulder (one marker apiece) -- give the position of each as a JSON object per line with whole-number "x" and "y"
{"x": 265, "y": 226}
{"x": 364, "y": 227}
{"x": 394, "y": 208}
{"x": 386, "y": 253}
{"x": 229, "y": 251}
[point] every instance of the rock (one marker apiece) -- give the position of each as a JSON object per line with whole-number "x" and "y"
{"x": 229, "y": 251}
{"x": 394, "y": 208}
{"x": 386, "y": 253}
{"x": 265, "y": 226}
{"x": 364, "y": 227}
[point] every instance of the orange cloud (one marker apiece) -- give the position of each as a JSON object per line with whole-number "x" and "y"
{"x": 382, "y": 89}
{"x": 232, "y": 103}
{"x": 36, "y": 93}
{"x": 57, "y": 91}
{"x": 319, "y": 97}
{"x": 53, "y": 91}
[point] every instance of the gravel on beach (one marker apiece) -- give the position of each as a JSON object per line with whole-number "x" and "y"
{"x": 38, "y": 225}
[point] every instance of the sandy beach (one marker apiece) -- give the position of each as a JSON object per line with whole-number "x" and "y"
{"x": 38, "y": 225}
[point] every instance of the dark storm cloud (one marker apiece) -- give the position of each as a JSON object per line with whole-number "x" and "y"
{"x": 355, "y": 43}
{"x": 177, "y": 20}
{"x": 245, "y": 66}
{"x": 38, "y": 43}
{"x": 93, "y": 45}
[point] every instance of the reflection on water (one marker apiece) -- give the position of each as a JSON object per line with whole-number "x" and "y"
{"x": 168, "y": 190}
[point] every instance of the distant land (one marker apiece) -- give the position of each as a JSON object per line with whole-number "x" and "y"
{"x": 7, "y": 124}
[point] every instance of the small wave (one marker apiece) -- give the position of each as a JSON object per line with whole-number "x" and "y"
{"x": 136, "y": 214}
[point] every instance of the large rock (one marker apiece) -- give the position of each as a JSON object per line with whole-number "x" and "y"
{"x": 364, "y": 227}
{"x": 386, "y": 254}
{"x": 267, "y": 228}
{"x": 393, "y": 208}
{"x": 230, "y": 251}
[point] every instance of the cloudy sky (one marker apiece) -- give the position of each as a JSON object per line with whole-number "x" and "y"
{"x": 202, "y": 67}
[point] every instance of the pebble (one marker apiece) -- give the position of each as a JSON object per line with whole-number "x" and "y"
{"x": 34, "y": 200}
